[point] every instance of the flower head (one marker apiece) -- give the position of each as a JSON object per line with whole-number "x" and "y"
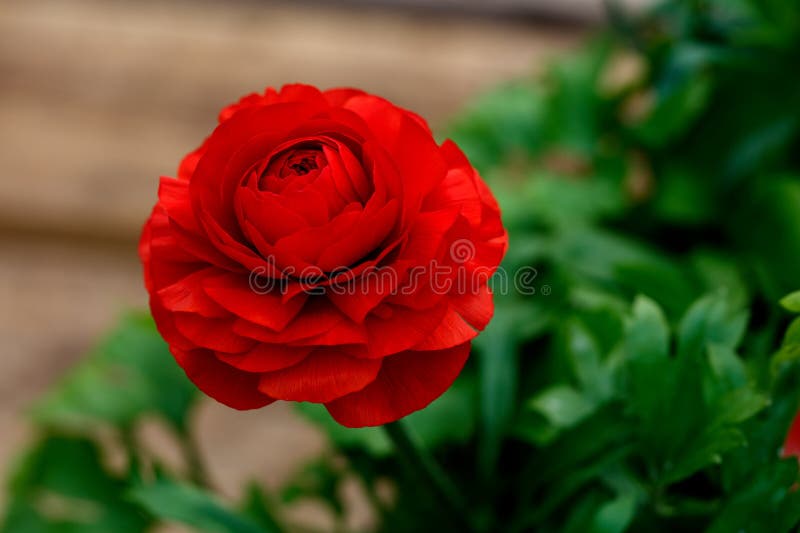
{"x": 321, "y": 247}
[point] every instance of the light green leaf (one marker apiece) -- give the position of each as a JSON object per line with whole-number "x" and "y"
{"x": 726, "y": 366}
{"x": 616, "y": 515}
{"x": 710, "y": 320}
{"x": 791, "y": 302}
{"x": 647, "y": 332}
{"x": 562, "y": 405}
{"x": 190, "y": 506}
{"x": 587, "y": 362}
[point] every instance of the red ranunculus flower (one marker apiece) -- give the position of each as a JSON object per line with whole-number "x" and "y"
{"x": 321, "y": 247}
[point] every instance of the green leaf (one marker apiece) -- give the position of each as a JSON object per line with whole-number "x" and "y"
{"x": 767, "y": 503}
{"x": 649, "y": 374}
{"x": 706, "y": 450}
{"x": 500, "y": 123}
{"x": 616, "y": 515}
{"x": 129, "y": 374}
{"x": 737, "y": 406}
{"x": 62, "y": 487}
{"x": 647, "y": 332}
{"x": 259, "y": 508}
{"x": 767, "y": 229}
{"x": 674, "y": 111}
{"x": 586, "y": 361}
{"x": 791, "y": 302}
{"x": 711, "y": 320}
{"x": 451, "y": 418}
{"x": 497, "y": 363}
{"x": 562, "y": 405}
{"x": 789, "y": 351}
{"x": 566, "y": 202}
{"x": 726, "y": 366}
{"x": 573, "y": 109}
{"x": 663, "y": 282}
{"x": 190, "y": 506}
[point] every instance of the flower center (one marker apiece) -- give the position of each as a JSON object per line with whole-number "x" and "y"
{"x": 295, "y": 167}
{"x": 301, "y": 164}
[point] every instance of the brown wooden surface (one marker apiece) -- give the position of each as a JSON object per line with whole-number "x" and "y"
{"x": 99, "y": 98}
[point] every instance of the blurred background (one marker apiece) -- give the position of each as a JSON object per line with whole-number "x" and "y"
{"x": 99, "y": 98}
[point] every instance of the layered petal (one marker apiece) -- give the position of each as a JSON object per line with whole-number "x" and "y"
{"x": 407, "y": 382}
{"x": 322, "y": 377}
{"x": 222, "y": 382}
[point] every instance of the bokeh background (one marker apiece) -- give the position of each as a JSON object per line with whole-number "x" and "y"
{"x": 99, "y": 98}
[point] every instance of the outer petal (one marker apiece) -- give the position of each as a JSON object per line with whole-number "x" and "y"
{"x": 235, "y": 294}
{"x": 323, "y": 376}
{"x": 212, "y": 333}
{"x": 145, "y": 242}
{"x": 318, "y": 317}
{"x": 451, "y": 331}
{"x": 266, "y": 358}
{"x": 401, "y": 329}
{"x": 222, "y": 382}
{"x": 189, "y": 163}
{"x": 187, "y": 295}
{"x": 339, "y": 96}
{"x": 407, "y": 382}
{"x": 477, "y": 308}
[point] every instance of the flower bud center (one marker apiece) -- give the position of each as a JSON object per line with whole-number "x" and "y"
{"x": 300, "y": 164}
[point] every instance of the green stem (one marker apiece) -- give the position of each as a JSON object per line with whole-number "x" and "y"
{"x": 135, "y": 462}
{"x": 422, "y": 463}
{"x": 194, "y": 460}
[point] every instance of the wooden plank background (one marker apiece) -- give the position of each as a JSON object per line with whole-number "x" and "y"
{"x": 99, "y": 98}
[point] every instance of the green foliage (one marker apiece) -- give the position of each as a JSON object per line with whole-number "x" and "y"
{"x": 183, "y": 504}
{"x": 61, "y": 486}
{"x": 128, "y": 375}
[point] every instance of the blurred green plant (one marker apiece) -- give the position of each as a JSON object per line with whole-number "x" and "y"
{"x": 644, "y": 382}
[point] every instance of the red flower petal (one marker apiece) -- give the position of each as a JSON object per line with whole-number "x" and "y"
{"x": 451, "y": 331}
{"x": 476, "y": 307}
{"x": 212, "y": 333}
{"x": 407, "y": 382}
{"x": 401, "y": 329}
{"x": 222, "y": 382}
{"x": 409, "y": 142}
{"x": 267, "y": 214}
{"x": 231, "y": 151}
{"x": 317, "y": 318}
{"x": 189, "y": 163}
{"x": 266, "y": 358}
{"x": 187, "y": 295}
{"x": 173, "y": 195}
{"x": 339, "y": 96}
{"x": 234, "y": 293}
{"x": 323, "y": 376}
{"x": 367, "y": 232}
